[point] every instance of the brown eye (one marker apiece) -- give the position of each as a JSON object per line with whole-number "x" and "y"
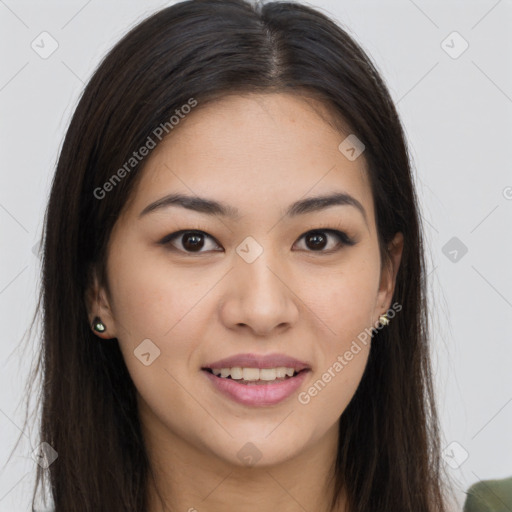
{"x": 190, "y": 241}
{"x": 318, "y": 240}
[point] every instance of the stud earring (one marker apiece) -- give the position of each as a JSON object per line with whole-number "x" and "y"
{"x": 383, "y": 319}
{"x": 98, "y": 325}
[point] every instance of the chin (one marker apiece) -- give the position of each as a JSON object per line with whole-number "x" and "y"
{"x": 258, "y": 452}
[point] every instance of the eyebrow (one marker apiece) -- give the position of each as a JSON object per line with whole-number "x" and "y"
{"x": 212, "y": 207}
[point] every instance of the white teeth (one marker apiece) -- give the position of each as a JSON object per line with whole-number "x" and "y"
{"x": 281, "y": 372}
{"x": 236, "y": 372}
{"x": 267, "y": 374}
{"x": 253, "y": 374}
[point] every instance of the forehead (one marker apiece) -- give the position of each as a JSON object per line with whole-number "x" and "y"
{"x": 256, "y": 152}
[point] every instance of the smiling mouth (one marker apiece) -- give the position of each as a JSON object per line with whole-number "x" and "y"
{"x": 257, "y": 387}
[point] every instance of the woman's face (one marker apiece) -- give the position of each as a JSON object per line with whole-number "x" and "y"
{"x": 253, "y": 283}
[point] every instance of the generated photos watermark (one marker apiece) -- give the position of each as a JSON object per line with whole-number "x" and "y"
{"x": 343, "y": 360}
{"x": 156, "y": 136}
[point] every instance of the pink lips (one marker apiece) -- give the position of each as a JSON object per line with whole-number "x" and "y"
{"x": 258, "y": 394}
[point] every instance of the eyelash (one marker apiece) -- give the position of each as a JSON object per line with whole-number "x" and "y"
{"x": 345, "y": 240}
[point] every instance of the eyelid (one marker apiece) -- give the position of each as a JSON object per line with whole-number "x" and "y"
{"x": 345, "y": 239}
{"x": 166, "y": 240}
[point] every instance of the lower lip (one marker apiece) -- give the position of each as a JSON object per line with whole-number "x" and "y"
{"x": 258, "y": 394}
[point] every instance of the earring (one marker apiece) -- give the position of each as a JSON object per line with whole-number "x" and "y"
{"x": 383, "y": 319}
{"x": 98, "y": 325}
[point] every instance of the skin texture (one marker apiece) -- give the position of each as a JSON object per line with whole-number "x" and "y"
{"x": 258, "y": 153}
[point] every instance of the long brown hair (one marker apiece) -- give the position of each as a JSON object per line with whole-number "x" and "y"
{"x": 389, "y": 453}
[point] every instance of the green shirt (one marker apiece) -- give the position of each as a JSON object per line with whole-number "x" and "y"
{"x": 489, "y": 496}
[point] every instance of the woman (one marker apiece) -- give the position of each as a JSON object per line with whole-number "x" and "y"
{"x": 233, "y": 279}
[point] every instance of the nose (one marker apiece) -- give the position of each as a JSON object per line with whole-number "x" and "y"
{"x": 259, "y": 297}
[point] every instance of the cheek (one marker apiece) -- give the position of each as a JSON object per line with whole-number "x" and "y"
{"x": 328, "y": 394}
{"x": 343, "y": 297}
{"x": 156, "y": 312}
{"x": 344, "y": 346}
{"x": 152, "y": 298}
{"x": 343, "y": 301}
{"x": 167, "y": 306}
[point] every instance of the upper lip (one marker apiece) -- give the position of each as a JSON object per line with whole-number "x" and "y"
{"x": 258, "y": 361}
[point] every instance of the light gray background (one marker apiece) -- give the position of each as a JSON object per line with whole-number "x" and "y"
{"x": 457, "y": 114}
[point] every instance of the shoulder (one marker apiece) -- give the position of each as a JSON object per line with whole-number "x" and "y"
{"x": 489, "y": 496}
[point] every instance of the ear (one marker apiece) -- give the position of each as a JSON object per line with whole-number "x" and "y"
{"x": 388, "y": 275}
{"x": 98, "y": 305}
